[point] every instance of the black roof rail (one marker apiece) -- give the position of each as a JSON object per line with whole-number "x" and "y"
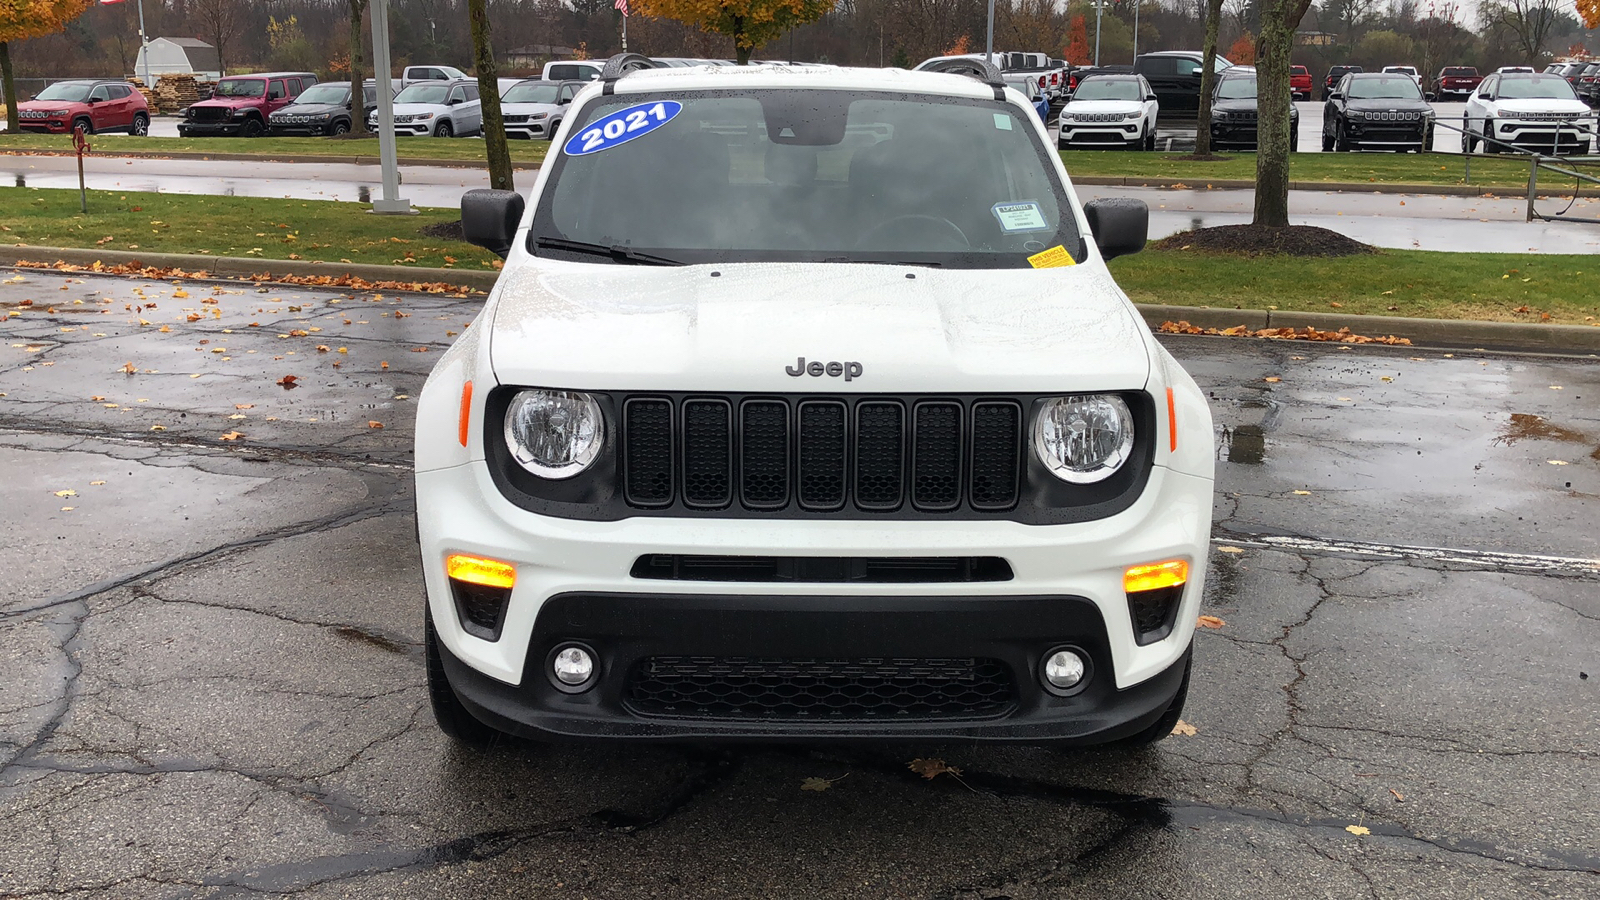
{"x": 620, "y": 65}
{"x": 972, "y": 67}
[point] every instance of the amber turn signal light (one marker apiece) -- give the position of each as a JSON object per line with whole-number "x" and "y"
{"x": 477, "y": 570}
{"x": 1155, "y": 576}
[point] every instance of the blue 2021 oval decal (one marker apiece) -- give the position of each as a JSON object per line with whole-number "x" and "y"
{"x": 622, "y": 126}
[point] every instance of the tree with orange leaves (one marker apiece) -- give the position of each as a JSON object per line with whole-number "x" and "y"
{"x": 23, "y": 19}
{"x": 1589, "y": 12}
{"x": 1077, "y": 50}
{"x": 750, "y": 23}
{"x": 1243, "y": 51}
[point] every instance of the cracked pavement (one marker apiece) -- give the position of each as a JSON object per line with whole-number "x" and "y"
{"x": 211, "y": 679}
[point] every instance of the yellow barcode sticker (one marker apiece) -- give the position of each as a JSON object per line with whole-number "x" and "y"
{"x": 1054, "y": 258}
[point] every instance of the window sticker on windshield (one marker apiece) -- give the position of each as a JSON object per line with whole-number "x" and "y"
{"x": 1054, "y": 258}
{"x": 622, "y": 126}
{"x": 1002, "y": 121}
{"x": 1023, "y": 215}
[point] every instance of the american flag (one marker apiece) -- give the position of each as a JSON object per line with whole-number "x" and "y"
{"x": 622, "y": 5}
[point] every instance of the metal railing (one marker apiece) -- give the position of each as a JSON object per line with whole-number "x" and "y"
{"x": 1537, "y": 160}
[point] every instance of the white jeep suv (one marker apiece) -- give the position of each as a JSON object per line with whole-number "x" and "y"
{"x": 532, "y": 109}
{"x": 1528, "y": 111}
{"x": 1111, "y": 111}
{"x": 437, "y": 108}
{"x": 805, "y": 408}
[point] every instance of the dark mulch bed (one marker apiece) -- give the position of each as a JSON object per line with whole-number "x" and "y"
{"x": 450, "y": 231}
{"x": 1195, "y": 157}
{"x": 1259, "y": 240}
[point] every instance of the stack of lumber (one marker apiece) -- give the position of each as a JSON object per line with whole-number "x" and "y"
{"x": 174, "y": 92}
{"x": 149, "y": 95}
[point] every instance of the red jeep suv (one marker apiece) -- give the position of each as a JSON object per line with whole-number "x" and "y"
{"x": 96, "y": 105}
{"x": 240, "y": 104}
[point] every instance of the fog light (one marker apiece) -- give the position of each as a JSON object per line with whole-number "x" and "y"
{"x": 572, "y": 667}
{"x": 1064, "y": 670}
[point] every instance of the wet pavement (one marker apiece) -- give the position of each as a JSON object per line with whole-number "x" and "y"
{"x": 211, "y": 678}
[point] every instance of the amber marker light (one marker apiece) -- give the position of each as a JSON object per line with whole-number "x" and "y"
{"x": 466, "y": 410}
{"x": 1172, "y": 420}
{"x": 477, "y": 570}
{"x": 1155, "y": 576}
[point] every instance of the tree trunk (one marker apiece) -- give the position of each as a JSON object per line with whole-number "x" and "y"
{"x": 1208, "y": 79}
{"x": 741, "y": 53}
{"x": 13, "y": 123}
{"x": 358, "y": 103}
{"x": 1279, "y": 20}
{"x": 494, "y": 128}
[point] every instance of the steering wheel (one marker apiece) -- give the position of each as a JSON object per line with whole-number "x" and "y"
{"x": 933, "y": 227}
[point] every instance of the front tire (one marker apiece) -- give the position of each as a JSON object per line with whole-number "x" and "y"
{"x": 453, "y": 717}
{"x": 339, "y": 127}
{"x": 1150, "y": 141}
{"x": 1169, "y": 719}
{"x": 86, "y": 124}
{"x": 140, "y": 126}
{"x": 1327, "y": 144}
{"x": 252, "y": 128}
{"x": 445, "y": 130}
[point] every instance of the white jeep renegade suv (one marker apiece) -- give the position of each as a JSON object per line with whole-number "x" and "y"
{"x": 805, "y": 407}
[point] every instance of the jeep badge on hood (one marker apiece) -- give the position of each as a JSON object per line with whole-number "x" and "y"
{"x": 850, "y": 370}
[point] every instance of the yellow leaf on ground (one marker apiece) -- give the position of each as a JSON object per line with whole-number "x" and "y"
{"x": 1358, "y": 829}
{"x": 66, "y": 493}
{"x": 1226, "y": 549}
{"x": 1272, "y": 379}
{"x": 820, "y": 784}
{"x": 231, "y": 436}
{"x": 1210, "y": 622}
{"x": 1303, "y": 493}
{"x": 1183, "y": 728}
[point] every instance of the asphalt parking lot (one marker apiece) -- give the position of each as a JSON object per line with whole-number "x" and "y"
{"x": 211, "y": 676}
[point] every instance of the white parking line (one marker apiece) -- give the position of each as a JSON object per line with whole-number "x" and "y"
{"x": 1484, "y": 558}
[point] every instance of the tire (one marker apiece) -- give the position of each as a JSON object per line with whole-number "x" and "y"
{"x": 340, "y": 127}
{"x": 140, "y": 126}
{"x": 252, "y": 128}
{"x": 1169, "y": 719}
{"x": 1340, "y": 142}
{"x": 445, "y": 129}
{"x": 453, "y": 717}
{"x": 1488, "y": 129}
{"x": 1468, "y": 142}
{"x": 1150, "y": 141}
{"x": 551, "y": 129}
{"x": 86, "y": 124}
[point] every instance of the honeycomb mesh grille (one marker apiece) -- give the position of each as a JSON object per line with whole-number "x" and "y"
{"x": 822, "y": 437}
{"x": 936, "y": 463}
{"x": 996, "y": 440}
{"x": 647, "y": 456}
{"x": 764, "y": 454}
{"x": 880, "y": 455}
{"x": 708, "y": 453}
{"x": 702, "y": 687}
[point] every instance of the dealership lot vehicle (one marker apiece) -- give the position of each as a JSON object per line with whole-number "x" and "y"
{"x": 572, "y": 70}
{"x": 1028, "y": 87}
{"x": 241, "y": 104}
{"x": 1300, "y": 82}
{"x": 417, "y": 74}
{"x": 532, "y": 109}
{"x": 1174, "y": 76}
{"x": 323, "y": 109}
{"x": 1377, "y": 111}
{"x": 94, "y": 106}
{"x": 1233, "y": 113}
{"x": 1110, "y": 111}
{"x": 436, "y": 108}
{"x": 1335, "y": 75}
{"x": 752, "y": 456}
{"x": 1536, "y": 112}
{"x": 1456, "y": 82}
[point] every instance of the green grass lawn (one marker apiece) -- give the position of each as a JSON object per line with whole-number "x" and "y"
{"x": 1373, "y": 168}
{"x": 232, "y": 226}
{"x": 467, "y": 150}
{"x": 1485, "y": 286}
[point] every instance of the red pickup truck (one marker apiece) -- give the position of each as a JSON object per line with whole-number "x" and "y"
{"x": 1456, "y": 81}
{"x": 1300, "y": 82}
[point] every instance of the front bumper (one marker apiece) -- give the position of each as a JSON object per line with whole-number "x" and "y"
{"x": 1387, "y": 133}
{"x": 1100, "y": 133}
{"x": 210, "y": 129}
{"x": 407, "y": 129}
{"x": 1570, "y": 137}
{"x": 309, "y": 129}
{"x": 46, "y": 126}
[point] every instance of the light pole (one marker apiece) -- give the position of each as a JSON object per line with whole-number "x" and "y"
{"x": 988, "y": 43}
{"x": 391, "y": 202}
{"x": 1099, "y": 10}
{"x": 144, "y": 49}
{"x": 1136, "y": 31}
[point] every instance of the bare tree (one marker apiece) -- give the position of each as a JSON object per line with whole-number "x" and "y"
{"x": 1279, "y": 19}
{"x": 1530, "y": 20}
{"x": 358, "y": 97}
{"x": 1208, "y": 78}
{"x": 494, "y": 129}
{"x": 220, "y": 20}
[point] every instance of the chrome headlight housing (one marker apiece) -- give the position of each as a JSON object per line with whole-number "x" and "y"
{"x": 554, "y": 434}
{"x": 1083, "y": 438}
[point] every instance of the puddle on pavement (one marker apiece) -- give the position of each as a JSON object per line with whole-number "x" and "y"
{"x": 1245, "y": 444}
{"x": 1524, "y": 426}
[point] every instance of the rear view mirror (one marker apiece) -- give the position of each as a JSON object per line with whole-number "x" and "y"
{"x": 490, "y": 218}
{"x": 1120, "y": 226}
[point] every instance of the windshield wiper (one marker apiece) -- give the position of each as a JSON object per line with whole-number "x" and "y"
{"x": 615, "y": 251}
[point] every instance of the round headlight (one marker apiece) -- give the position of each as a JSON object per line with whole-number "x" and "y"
{"x": 554, "y": 434}
{"x": 1084, "y": 438}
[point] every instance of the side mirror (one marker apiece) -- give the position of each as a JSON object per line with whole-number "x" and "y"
{"x": 1120, "y": 225}
{"x": 92, "y": 101}
{"x": 490, "y": 218}
{"x": 1336, "y": 96}
{"x": 1430, "y": 96}
{"x": 1151, "y": 97}
{"x": 563, "y": 101}
{"x": 453, "y": 101}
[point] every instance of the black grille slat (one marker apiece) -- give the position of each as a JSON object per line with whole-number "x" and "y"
{"x": 647, "y": 457}
{"x": 996, "y": 454}
{"x": 764, "y": 454}
{"x": 880, "y": 455}
{"x": 821, "y": 457}
{"x": 819, "y": 689}
{"x": 707, "y": 453}
{"x": 936, "y": 456}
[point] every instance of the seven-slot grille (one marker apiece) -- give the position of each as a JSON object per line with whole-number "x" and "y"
{"x": 821, "y": 455}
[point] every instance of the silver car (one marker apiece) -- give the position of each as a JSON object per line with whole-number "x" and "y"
{"x": 532, "y": 109}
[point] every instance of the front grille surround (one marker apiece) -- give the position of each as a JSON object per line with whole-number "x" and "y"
{"x": 884, "y": 458}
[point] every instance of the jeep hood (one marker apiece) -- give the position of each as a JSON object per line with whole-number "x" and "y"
{"x": 738, "y": 328}
{"x": 1542, "y": 105}
{"x": 234, "y": 102}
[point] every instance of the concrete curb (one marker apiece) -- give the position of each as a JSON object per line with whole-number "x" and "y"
{"x": 1453, "y": 333}
{"x": 260, "y": 158}
{"x": 1330, "y": 187}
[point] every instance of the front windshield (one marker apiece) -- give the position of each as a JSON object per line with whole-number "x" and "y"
{"x": 240, "y": 87}
{"x": 424, "y": 93}
{"x": 1107, "y": 89}
{"x": 1396, "y": 87}
{"x": 325, "y": 93}
{"x": 1536, "y": 87}
{"x": 533, "y": 92}
{"x": 807, "y": 175}
{"x": 66, "y": 93}
{"x": 1236, "y": 89}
